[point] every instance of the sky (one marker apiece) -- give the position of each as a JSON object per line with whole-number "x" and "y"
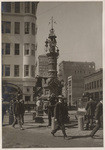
{"x": 78, "y": 30}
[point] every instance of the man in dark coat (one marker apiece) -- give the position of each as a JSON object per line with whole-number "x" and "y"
{"x": 59, "y": 115}
{"x": 98, "y": 117}
{"x": 51, "y": 105}
{"x": 3, "y": 110}
{"x": 90, "y": 111}
{"x": 22, "y": 110}
{"x": 17, "y": 112}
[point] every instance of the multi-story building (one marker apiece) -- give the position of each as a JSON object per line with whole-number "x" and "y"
{"x": 43, "y": 66}
{"x": 72, "y": 73}
{"x": 19, "y": 45}
{"x": 93, "y": 84}
{"x": 75, "y": 90}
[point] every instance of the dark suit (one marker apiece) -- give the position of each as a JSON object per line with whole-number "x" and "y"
{"x": 22, "y": 111}
{"x": 90, "y": 111}
{"x": 59, "y": 114}
{"x": 51, "y": 106}
{"x": 98, "y": 117}
{"x": 3, "y": 111}
{"x": 17, "y": 112}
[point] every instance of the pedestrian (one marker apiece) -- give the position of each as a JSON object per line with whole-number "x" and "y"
{"x": 66, "y": 114}
{"x": 98, "y": 117}
{"x": 39, "y": 107}
{"x": 59, "y": 115}
{"x": 90, "y": 112}
{"x": 17, "y": 113}
{"x": 22, "y": 110}
{"x": 51, "y": 105}
{"x": 11, "y": 115}
{"x": 3, "y": 110}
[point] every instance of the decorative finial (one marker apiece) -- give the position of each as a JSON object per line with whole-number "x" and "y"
{"x": 52, "y": 22}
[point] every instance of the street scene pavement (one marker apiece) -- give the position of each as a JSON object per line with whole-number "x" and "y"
{"x": 38, "y": 135}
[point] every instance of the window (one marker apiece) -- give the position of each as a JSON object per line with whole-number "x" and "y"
{"x": 100, "y": 82}
{"x": 33, "y": 71}
{"x": 87, "y": 86}
{"x": 6, "y": 48}
{"x": 26, "y": 49}
{"x": 33, "y": 49}
{"x": 28, "y": 90}
{"x": 33, "y": 8}
{"x": 2, "y": 70}
{"x": 26, "y": 70}
{"x": 33, "y": 28}
{"x": 6, "y": 7}
{"x": 90, "y": 86}
{"x": 6, "y": 27}
{"x": 17, "y": 7}
{"x": 97, "y": 83}
{"x": 7, "y": 70}
{"x": 69, "y": 83}
{"x": 16, "y": 49}
{"x": 27, "y": 98}
{"x": 16, "y": 70}
{"x": 3, "y": 48}
{"x": 27, "y": 27}
{"x": 17, "y": 27}
{"x": 27, "y": 7}
{"x": 94, "y": 84}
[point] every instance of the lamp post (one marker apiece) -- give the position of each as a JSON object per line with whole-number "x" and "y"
{"x": 52, "y": 53}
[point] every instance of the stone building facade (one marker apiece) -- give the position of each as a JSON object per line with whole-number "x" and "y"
{"x": 74, "y": 72}
{"x": 93, "y": 84}
{"x": 19, "y": 46}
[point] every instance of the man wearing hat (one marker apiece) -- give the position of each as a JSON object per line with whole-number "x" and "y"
{"x": 17, "y": 112}
{"x": 51, "y": 105}
{"x": 22, "y": 110}
{"x": 98, "y": 117}
{"x": 59, "y": 115}
{"x": 90, "y": 111}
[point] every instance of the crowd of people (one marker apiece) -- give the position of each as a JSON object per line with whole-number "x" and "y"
{"x": 94, "y": 111}
{"x": 58, "y": 110}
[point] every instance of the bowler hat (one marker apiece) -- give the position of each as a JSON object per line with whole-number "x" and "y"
{"x": 60, "y": 96}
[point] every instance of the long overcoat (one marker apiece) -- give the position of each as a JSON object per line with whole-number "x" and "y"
{"x": 59, "y": 112}
{"x": 99, "y": 112}
{"x": 18, "y": 108}
{"x": 90, "y": 108}
{"x": 51, "y": 106}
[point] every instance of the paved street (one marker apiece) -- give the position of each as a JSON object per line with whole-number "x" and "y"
{"x": 37, "y": 135}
